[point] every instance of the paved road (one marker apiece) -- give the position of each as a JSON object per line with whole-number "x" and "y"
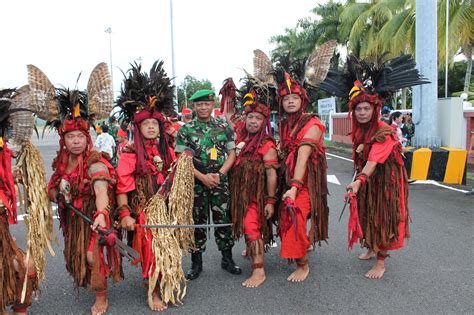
{"x": 433, "y": 274}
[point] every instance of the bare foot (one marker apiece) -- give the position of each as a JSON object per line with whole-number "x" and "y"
{"x": 377, "y": 270}
{"x": 299, "y": 274}
{"x": 256, "y": 279}
{"x": 156, "y": 302}
{"x": 100, "y": 305}
{"x": 369, "y": 254}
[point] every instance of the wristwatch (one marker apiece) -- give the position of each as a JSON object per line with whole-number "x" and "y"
{"x": 220, "y": 174}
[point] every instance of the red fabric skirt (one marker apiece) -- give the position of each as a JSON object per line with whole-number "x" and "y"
{"x": 293, "y": 247}
{"x": 252, "y": 228}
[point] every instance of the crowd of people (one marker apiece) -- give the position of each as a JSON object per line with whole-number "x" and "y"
{"x": 135, "y": 175}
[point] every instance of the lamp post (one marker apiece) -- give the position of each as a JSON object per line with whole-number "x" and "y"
{"x": 173, "y": 74}
{"x": 109, "y": 31}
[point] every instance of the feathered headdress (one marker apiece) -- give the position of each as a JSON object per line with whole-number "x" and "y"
{"x": 68, "y": 110}
{"x": 256, "y": 96}
{"x": 374, "y": 81}
{"x": 71, "y": 110}
{"x": 146, "y": 95}
{"x": 296, "y": 76}
{"x": 12, "y": 114}
{"x": 16, "y": 117}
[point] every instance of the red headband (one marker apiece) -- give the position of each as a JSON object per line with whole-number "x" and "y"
{"x": 147, "y": 113}
{"x": 77, "y": 124}
{"x": 372, "y": 99}
{"x": 258, "y": 108}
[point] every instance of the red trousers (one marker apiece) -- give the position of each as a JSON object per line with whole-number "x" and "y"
{"x": 293, "y": 247}
{"x": 252, "y": 228}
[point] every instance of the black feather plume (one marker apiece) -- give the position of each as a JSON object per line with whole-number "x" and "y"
{"x": 137, "y": 86}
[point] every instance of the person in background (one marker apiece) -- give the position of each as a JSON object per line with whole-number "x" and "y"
{"x": 122, "y": 141}
{"x": 385, "y": 115}
{"x": 113, "y": 127}
{"x": 408, "y": 129}
{"x": 98, "y": 129}
{"x": 396, "y": 122}
{"x": 105, "y": 142}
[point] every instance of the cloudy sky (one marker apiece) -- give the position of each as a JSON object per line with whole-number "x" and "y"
{"x": 213, "y": 39}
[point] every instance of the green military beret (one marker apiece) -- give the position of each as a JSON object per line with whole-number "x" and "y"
{"x": 202, "y": 95}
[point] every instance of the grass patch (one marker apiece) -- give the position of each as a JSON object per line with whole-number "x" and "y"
{"x": 340, "y": 147}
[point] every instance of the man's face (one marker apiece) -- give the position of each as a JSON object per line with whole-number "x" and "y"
{"x": 149, "y": 128}
{"x": 76, "y": 142}
{"x": 203, "y": 109}
{"x": 363, "y": 112}
{"x": 291, "y": 103}
{"x": 254, "y": 122}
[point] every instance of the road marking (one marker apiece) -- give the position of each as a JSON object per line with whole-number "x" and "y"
{"x": 340, "y": 157}
{"x": 432, "y": 182}
{"x": 421, "y": 182}
{"x": 21, "y": 217}
{"x": 333, "y": 179}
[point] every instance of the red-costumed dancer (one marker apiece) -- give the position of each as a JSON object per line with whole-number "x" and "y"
{"x": 303, "y": 161}
{"x": 144, "y": 102}
{"x": 381, "y": 183}
{"x": 82, "y": 178}
{"x": 253, "y": 180}
{"x": 13, "y": 264}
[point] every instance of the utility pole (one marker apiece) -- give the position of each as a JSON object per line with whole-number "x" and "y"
{"x": 109, "y": 31}
{"x": 173, "y": 73}
{"x": 425, "y": 97}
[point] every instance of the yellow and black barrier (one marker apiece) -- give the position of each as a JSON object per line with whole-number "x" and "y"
{"x": 441, "y": 164}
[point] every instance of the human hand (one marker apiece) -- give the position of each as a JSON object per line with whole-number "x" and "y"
{"x": 290, "y": 193}
{"x": 210, "y": 180}
{"x": 269, "y": 210}
{"x": 99, "y": 221}
{"x": 354, "y": 186}
{"x": 127, "y": 223}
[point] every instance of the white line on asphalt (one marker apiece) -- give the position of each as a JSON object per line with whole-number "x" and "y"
{"x": 333, "y": 179}
{"x": 340, "y": 157}
{"x": 21, "y": 217}
{"x": 432, "y": 182}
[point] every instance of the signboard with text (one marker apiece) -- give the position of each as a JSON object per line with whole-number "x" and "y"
{"x": 326, "y": 106}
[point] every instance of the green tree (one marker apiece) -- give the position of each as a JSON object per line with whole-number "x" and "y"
{"x": 455, "y": 79}
{"x": 189, "y": 86}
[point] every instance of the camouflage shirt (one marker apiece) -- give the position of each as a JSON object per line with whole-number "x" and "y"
{"x": 210, "y": 142}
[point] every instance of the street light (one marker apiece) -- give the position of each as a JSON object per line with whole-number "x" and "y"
{"x": 173, "y": 74}
{"x": 109, "y": 31}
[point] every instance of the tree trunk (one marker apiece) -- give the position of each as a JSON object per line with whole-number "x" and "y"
{"x": 467, "y": 79}
{"x": 404, "y": 98}
{"x": 338, "y": 105}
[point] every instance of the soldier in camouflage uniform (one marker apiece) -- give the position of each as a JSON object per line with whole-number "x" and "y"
{"x": 214, "y": 153}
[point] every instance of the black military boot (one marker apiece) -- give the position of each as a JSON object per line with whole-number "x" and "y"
{"x": 229, "y": 264}
{"x": 196, "y": 266}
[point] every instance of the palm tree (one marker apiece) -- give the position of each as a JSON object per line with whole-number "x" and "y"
{"x": 361, "y": 23}
{"x": 461, "y": 33}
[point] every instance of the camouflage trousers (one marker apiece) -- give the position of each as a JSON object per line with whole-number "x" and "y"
{"x": 216, "y": 200}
